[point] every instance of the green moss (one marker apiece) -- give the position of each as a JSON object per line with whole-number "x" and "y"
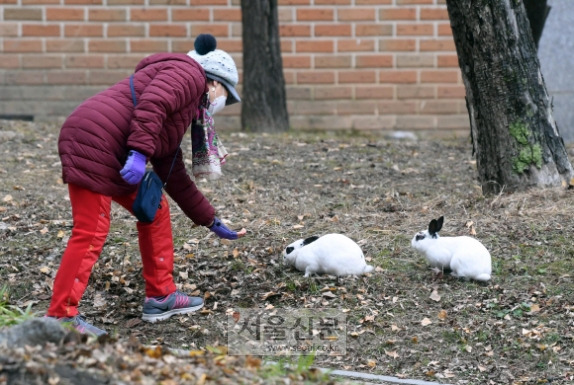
{"x": 528, "y": 153}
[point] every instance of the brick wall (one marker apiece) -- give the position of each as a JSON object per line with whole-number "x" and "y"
{"x": 348, "y": 64}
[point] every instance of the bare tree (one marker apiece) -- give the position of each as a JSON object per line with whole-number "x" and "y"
{"x": 264, "y": 106}
{"x": 515, "y": 138}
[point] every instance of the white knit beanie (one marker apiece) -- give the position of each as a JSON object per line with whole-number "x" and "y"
{"x": 217, "y": 64}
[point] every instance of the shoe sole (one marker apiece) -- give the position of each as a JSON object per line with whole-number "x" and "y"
{"x": 152, "y": 318}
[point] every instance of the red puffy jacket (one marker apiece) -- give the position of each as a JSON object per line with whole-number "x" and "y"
{"x": 95, "y": 139}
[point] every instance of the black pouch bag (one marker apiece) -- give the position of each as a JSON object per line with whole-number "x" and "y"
{"x": 148, "y": 197}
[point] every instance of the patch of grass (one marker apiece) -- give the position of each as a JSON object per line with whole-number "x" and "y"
{"x": 295, "y": 369}
{"x": 12, "y": 315}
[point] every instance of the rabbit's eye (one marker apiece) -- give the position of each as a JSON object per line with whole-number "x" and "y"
{"x": 420, "y": 236}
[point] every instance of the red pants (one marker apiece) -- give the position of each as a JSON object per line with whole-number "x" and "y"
{"x": 91, "y": 215}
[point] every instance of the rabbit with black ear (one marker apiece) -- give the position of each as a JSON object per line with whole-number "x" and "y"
{"x": 333, "y": 254}
{"x": 465, "y": 256}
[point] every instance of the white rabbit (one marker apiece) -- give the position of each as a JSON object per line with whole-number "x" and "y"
{"x": 464, "y": 256}
{"x": 333, "y": 254}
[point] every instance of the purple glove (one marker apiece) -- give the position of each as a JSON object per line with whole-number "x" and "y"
{"x": 134, "y": 168}
{"x": 221, "y": 230}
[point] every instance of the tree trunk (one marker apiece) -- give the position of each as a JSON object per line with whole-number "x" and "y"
{"x": 514, "y": 135}
{"x": 264, "y": 104}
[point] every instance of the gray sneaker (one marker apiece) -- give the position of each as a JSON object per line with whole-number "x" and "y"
{"x": 161, "y": 308}
{"x": 79, "y": 323}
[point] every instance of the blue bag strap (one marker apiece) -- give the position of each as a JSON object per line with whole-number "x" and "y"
{"x": 134, "y": 99}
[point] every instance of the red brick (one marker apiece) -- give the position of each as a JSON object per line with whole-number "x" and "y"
{"x": 333, "y": 92}
{"x": 66, "y": 77}
{"x": 296, "y": 61}
{"x": 333, "y": 61}
{"x": 152, "y": 46}
{"x": 444, "y": 30}
{"x": 416, "y": 92}
{"x": 65, "y": 45}
{"x": 356, "y": 14}
{"x": 285, "y": 15}
{"x": 83, "y": 30}
{"x": 398, "y": 76}
{"x": 447, "y": 60}
{"x": 183, "y": 45}
{"x": 414, "y": 61}
{"x": 298, "y": 93}
{"x": 373, "y": 61}
{"x": 207, "y": 2}
{"x": 357, "y": 77}
{"x": 125, "y": 30}
{"x": 332, "y": 2}
{"x": 421, "y": 122}
{"x": 437, "y": 45}
{"x": 108, "y": 15}
{"x": 433, "y": 14}
{"x": 8, "y": 29}
{"x": 25, "y": 14}
{"x": 374, "y": 92}
{"x": 373, "y": 2}
{"x": 377, "y": 29}
{"x": 81, "y": 2}
{"x": 107, "y": 78}
{"x": 107, "y": 45}
{"x": 29, "y": 77}
{"x": 190, "y": 14}
{"x": 10, "y": 61}
{"x": 216, "y": 30}
{"x": 314, "y": 46}
{"x": 332, "y": 30}
{"x": 65, "y": 14}
{"x": 227, "y": 14}
{"x": 439, "y": 76}
{"x": 291, "y": 30}
{"x": 451, "y": 92}
{"x": 398, "y": 14}
{"x": 290, "y": 76}
{"x": 230, "y": 46}
{"x": 123, "y": 61}
{"x": 355, "y": 45}
{"x": 433, "y": 107}
{"x": 357, "y": 107}
{"x": 418, "y": 29}
{"x": 10, "y": 2}
{"x": 170, "y": 3}
{"x": 40, "y": 30}
{"x": 315, "y": 14}
{"x": 397, "y": 45}
{"x": 126, "y": 2}
{"x": 85, "y": 61}
{"x": 148, "y": 14}
{"x": 167, "y": 30}
{"x": 315, "y": 77}
{"x": 21, "y": 46}
{"x": 414, "y": 2}
{"x": 47, "y": 62}
{"x": 397, "y": 107}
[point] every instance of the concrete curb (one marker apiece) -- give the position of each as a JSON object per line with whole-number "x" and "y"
{"x": 376, "y": 378}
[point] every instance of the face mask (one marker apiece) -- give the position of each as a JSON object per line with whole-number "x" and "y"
{"x": 217, "y": 105}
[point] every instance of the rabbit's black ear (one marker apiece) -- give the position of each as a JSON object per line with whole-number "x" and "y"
{"x": 439, "y": 223}
{"x": 435, "y": 226}
{"x": 306, "y": 241}
{"x": 289, "y": 249}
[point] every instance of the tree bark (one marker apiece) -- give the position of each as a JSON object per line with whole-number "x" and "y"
{"x": 514, "y": 135}
{"x": 264, "y": 104}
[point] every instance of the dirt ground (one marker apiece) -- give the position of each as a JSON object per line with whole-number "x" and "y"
{"x": 401, "y": 320}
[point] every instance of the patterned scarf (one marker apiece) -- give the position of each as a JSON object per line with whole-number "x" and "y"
{"x": 208, "y": 151}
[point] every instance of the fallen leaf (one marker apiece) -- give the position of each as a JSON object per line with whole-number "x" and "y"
{"x": 435, "y": 296}
{"x": 392, "y": 354}
{"x": 426, "y": 321}
{"x": 442, "y": 314}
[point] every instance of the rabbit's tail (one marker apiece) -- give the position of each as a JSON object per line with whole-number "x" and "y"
{"x": 368, "y": 269}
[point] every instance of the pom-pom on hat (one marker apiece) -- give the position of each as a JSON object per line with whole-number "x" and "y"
{"x": 217, "y": 64}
